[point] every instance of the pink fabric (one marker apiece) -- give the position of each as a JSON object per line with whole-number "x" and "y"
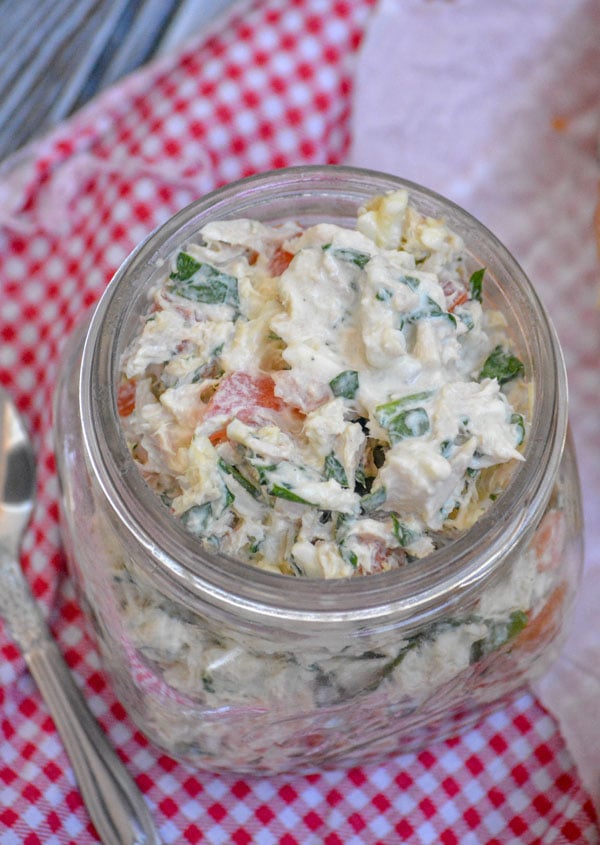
{"x": 270, "y": 86}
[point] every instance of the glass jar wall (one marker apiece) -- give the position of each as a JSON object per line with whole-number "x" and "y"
{"x": 238, "y": 669}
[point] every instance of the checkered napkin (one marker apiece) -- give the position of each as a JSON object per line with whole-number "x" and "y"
{"x": 268, "y": 86}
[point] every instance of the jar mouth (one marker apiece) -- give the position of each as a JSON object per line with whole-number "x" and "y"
{"x": 175, "y": 557}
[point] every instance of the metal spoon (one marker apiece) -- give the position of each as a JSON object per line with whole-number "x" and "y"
{"x": 114, "y": 802}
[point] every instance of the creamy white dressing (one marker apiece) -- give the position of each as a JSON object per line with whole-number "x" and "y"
{"x": 320, "y": 402}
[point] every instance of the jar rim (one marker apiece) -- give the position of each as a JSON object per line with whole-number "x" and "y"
{"x": 181, "y": 564}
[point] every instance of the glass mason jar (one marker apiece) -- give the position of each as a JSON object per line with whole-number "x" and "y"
{"x": 238, "y": 669}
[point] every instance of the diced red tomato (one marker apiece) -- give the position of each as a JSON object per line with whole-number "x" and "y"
{"x": 240, "y": 393}
{"x": 245, "y": 397}
{"x": 280, "y": 261}
{"x": 549, "y": 541}
{"x": 545, "y": 625}
{"x": 217, "y": 437}
{"x": 126, "y": 398}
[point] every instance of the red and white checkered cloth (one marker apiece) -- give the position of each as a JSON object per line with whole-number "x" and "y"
{"x": 270, "y": 86}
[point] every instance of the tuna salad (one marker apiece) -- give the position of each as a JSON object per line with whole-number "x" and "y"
{"x": 325, "y": 401}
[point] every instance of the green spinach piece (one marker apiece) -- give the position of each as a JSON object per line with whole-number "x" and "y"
{"x": 185, "y": 267}
{"x": 348, "y": 555}
{"x": 429, "y": 309}
{"x": 413, "y": 422}
{"x": 466, "y": 318}
{"x": 353, "y": 256}
{"x": 334, "y": 469}
{"x": 501, "y": 365}
{"x": 345, "y": 384}
{"x": 519, "y": 424}
{"x": 410, "y": 281}
{"x": 197, "y": 518}
{"x": 248, "y": 486}
{"x": 388, "y": 410}
{"x": 201, "y": 282}
{"x": 476, "y": 284}
{"x": 402, "y": 532}
{"x": 384, "y": 295}
{"x": 499, "y": 633}
{"x": 373, "y": 501}
{"x": 401, "y": 421}
{"x": 285, "y": 493}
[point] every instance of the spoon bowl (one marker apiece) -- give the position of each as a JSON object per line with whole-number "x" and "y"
{"x": 17, "y": 474}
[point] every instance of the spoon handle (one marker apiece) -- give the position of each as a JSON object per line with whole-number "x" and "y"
{"x": 115, "y": 804}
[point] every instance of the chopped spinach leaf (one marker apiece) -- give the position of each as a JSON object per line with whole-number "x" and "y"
{"x": 446, "y": 448}
{"x": 371, "y": 655}
{"x": 341, "y": 521}
{"x": 517, "y": 421}
{"x": 241, "y": 479}
{"x": 348, "y": 555}
{"x": 428, "y": 309}
{"x": 372, "y": 501}
{"x": 499, "y": 633}
{"x": 401, "y": 422}
{"x": 501, "y": 365}
{"x": 402, "y": 532}
{"x": 334, "y": 469}
{"x": 411, "y": 281}
{"x": 361, "y": 483}
{"x": 476, "y": 284}
{"x": 254, "y": 547}
{"x": 354, "y": 256}
{"x": 428, "y": 635}
{"x": 197, "y": 518}
{"x": 414, "y": 422}
{"x": 345, "y": 384}
{"x": 412, "y": 643}
{"x": 466, "y": 318}
{"x": 185, "y": 266}
{"x": 200, "y": 282}
{"x": 384, "y": 295}
{"x": 285, "y": 493}
{"x": 263, "y": 471}
{"x": 388, "y": 410}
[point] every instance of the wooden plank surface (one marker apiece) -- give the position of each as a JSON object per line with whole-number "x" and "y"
{"x": 57, "y": 54}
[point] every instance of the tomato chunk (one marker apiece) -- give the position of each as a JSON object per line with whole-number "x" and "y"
{"x": 280, "y": 261}
{"x": 549, "y": 541}
{"x": 244, "y": 397}
{"x": 545, "y": 625}
{"x": 126, "y": 398}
